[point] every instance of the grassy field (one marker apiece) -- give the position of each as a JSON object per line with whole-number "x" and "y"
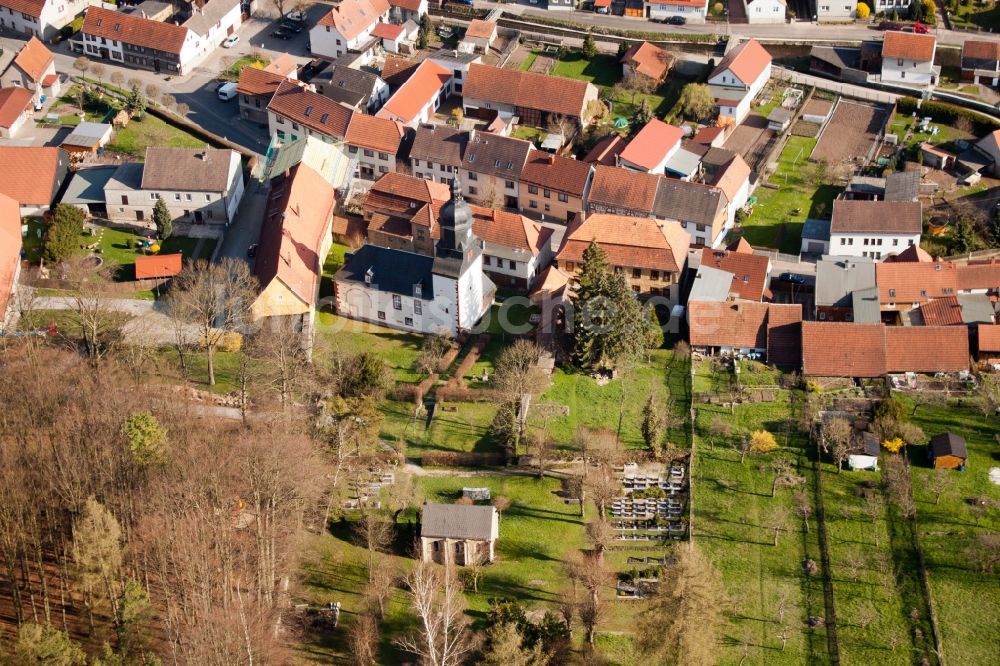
{"x": 537, "y": 534}
{"x": 965, "y": 598}
{"x": 399, "y": 350}
{"x": 734, "y": 518}
{"x": 232, "y": 73}
{"x": 601, "y": 70}
{"x": 151, "y": 131}
{"x": 589, "y": 404}
{"x": 778, "y": 217}
{"x": 334, "y": 260}
{"x": 457, "y": 427}
{"x": 975, "y": 15}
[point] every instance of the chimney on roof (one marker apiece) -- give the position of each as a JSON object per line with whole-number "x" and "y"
{"x": 550, "y": 158}
{"x": 143, "y": 13}
{"x": 203, "y": 156}
{"x": 311, "y": 87}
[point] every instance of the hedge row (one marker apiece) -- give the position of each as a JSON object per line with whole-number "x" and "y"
{"x": 460, "y": 459}
{"x": 947, "y": 114}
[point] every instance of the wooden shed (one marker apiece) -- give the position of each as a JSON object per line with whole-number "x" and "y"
{"x": 947, "y": 451}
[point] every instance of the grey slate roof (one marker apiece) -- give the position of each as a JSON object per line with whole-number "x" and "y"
{"x": 866, "y": 306}
{"x": 869, "y": 444}
{"x": 837, "y": 278}
{"x": 344, "y": 84}
{"x": 87, "y": 185}
{"x": 127, "y": 176}
{"x": 489, "y": 154}
{"x": 948, "y": 444}
{"x": 393, "y": 271}
{"x": 457, "y": 521}
{"x": 194, "y": 169}
{"x": 687, "y": 202}
{"x": 209, "y": 15}
{"x": 902, "y": 186}
{"x": 711, "y": 284}
{"x": 452, "y": 55}
{"x": 86, "y": 134}
{"x": 438, "y": 143}
{"x": 859, "y": 216}
{"x": 976, "y": 308}
{"x": 683, "y": 162}
{"x": 815, "y": 229}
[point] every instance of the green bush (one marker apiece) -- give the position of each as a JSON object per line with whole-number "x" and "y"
{"x": 947, "y": 114}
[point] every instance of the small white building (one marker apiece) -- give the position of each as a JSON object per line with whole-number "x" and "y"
{"x": 909, "y": 58}
{"x": 875, "y": 229}
{"x": 16, "y": 108}
{"x": 651, "y": 148}
{"x": 692, "y": 10}
{"x": 738, "y": 78}
{"x": 33, "y": 68}
{"x": 416, "y": 100}
{"x": 41, "y": 18}
{"x": 766, "y": 11}
{"x": 866, "y": 455}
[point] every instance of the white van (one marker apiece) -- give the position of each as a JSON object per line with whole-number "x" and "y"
{"x": 227, "y": 92}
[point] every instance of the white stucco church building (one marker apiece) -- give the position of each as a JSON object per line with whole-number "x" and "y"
{"x": 446, "y": 293}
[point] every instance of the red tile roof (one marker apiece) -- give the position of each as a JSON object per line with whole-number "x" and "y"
{"x": 707, "y": 134}
{"x": 977, "y": 276}
{"x": 407, "y": 102}
{"x": 374, "y": 133}
{"x": 835, "y": 349}
{"x": 556, "y": 173}
{"x": 396, "y": 70}
{"x": 133, "y": 29}
{"x": 989, "y": 337}
{"x": 927, "y": 348}
{"x": 509, "y": 230}
{"x": 315, "y": 111}
{"x": 908, "y": 45}
{"x": 29, "y": 7}
{"x": 10, "y": 249}
{"x": 750, "y": 271}
{"x": 255, "y": 81}
{"x": 481, "y": 29}
{"x": 737, "y": 324}
{"x": 552, "y": 94}
{"x": 942, "y": 312}
{"x": 295, "y": 228}
{"x": 411, "y": 5}
{"x": 352, "y": 17}
{"x": 387, "y": 31}
{"x": 284, "y": 65}
{"x": 29, "y": 174}
{"x": 731, "y": 178}
{"x": 910, "y": 282}
{"x": 606, "y": 151}
{"x": 158, "y": 266}
{"x": 33, "y": 59}
{"x": 648, "y": 60}
{"x": 651, "y": 144}
{"x": 747, "y": 61}
{"x": 621, "y": 189}
{"x": 630, "y": 242}
{"x": 912, "y": 254}
{"x": 784, "y": 334}
{"x": 981, "y": 49}
{"x": 14, "y": 101}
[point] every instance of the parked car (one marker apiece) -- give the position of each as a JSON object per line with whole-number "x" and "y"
{"x": 231, "y": 41}
{"x": 920, "y": 29}
{"x": 219, "y": 86}
{"x": 677, "y": 20}
{"x": 226, "y": 92}
{"x": 291, "y": 26}
{"x": 281, "y": 33}
{"x": 792, "y": 278}
{"x": 298, "y": 17}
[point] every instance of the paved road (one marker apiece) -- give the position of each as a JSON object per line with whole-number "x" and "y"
{"x": 794, "y": 31}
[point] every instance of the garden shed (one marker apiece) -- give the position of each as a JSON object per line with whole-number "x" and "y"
{"x": 866, "y": 457}
{"x": 947, "y": 451}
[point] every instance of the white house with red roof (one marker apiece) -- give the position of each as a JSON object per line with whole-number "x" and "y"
{"x": 652, "y": 147}
{"x": 417, "y": 99}
{"x": 41, "y": 18}
{"x": 908, "y": 58}
{"x": 692, "y": 10}
{"x": 348, "y": 27}
{"x": 141, "y": 43}
{"x": 765, "y": 11}
{"x": 16, "y": 107}
{"x": 33, "y": 68}
{"x": 738, "y": 78}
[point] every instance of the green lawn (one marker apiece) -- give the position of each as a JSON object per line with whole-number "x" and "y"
{"x": 232, "y": 73}
{"x": 529, "y": 60}
{"x": 151, "y": 131}
{"x": 334, "y": 260}
{"x": 974, "y": 15}
{"x": 456, "y": 427}
{"x": 528, "y": 133}
{"x": 966, "y": 599}
{"x": 601, "y": 70}
{"x": 733, "y": 523}
{"x": 226, "y": 368}
{"x": 589, "y": 404}
{"x": 339, "y": 334}
{"x": 778, "y": 217}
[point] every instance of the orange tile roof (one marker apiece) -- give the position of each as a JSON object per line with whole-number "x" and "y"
{"x": 158, "y": 266}
{"x": 908, "y": 45}
{"x": 294, "y": 231}
{"x": 481, "y": 29}
{"x": 507, "y": 229}
{"x": 630, "y": 242}
{"x": 606, "y": 151}
{"x": 401, "y": 195}
{"x": 738, "y": 324}
{"x": 284, "y": 65}
{"x": 315, "y": 111}
{"x": 133, "y": 29}
{"x": 912, "y": 254}
{"x": 255, "y": 81}
{"x": 552, "y": 94}
{"x": 648, "y": 60}
{"x": 979, "y": 276}
{"x": 707, "y": 135}
{"x": 396, "y": 70}
{"x": 910, "y": 282}
{"x": 33, "y": 59}
{"x": 373, "y": 133}
{"x": 651, "y": 144}
{"x": 836, "y": 349}
{"x": 352, "y": 17}
{"x": 387, "y": 31}
{"x": 556, "y": 173}
{"x": 989, "y": 337}
{"x": 749, "y": 271}
{"x": 942, "y": 312}
{"x": 14, "y": 101}
{"x": 731, "y": 178}
{"x": 927, "y": 348}
{"x": 407, "y": 102}
{"x": 29, "y": 7}
{"x": 551, "y": 282}
{"x": 981, "y": 49}
{"x": 747, "y": 61}
{"x": 412, "y": 5}
{"x": 10, "y": 248}
{"x": 621, "y": 189}
{"x": 29, "y": 174}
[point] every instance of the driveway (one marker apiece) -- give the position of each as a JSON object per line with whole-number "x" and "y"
{"x": 245, "y": 230}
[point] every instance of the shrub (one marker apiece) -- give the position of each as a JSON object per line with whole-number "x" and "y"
{"x": 893, "y": 445}
{"x": 863, "y": 11}
{"x": 761, "y": 441}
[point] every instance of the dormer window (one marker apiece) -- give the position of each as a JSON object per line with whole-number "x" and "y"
{"x": 892, "y": 292}
{"x": 417, "y": 291}
{"x": 923, "y": 293}
{"x": 369, "y": 274}
{"x": 309, "y": 111}
{"x": 324, "y": 118}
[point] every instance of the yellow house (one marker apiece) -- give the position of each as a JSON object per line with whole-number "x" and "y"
{"x": 295, "y": 238}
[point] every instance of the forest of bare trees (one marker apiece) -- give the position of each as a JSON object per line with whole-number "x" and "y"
{"x": 137, "y": 527}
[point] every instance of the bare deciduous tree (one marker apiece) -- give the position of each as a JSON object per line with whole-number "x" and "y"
{"x": 442, "y": 637}
{"x": 837, "y": 434}
{"x": 939, "y": 484}
{"x": 600, "y": 534}
{"x": 374, "y": 533}
{"x": 363, "y": 638}
{"x": 501, "y": 503}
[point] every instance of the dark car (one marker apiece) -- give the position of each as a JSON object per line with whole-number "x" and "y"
{"x": 890, "y": 25}
{"x": 677, "y": 20}
{"x": 290, "y": 27}
{"x": 252, "y": 251}
{"x": 792, "y": 278}
{"x": 280, "y": 33}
